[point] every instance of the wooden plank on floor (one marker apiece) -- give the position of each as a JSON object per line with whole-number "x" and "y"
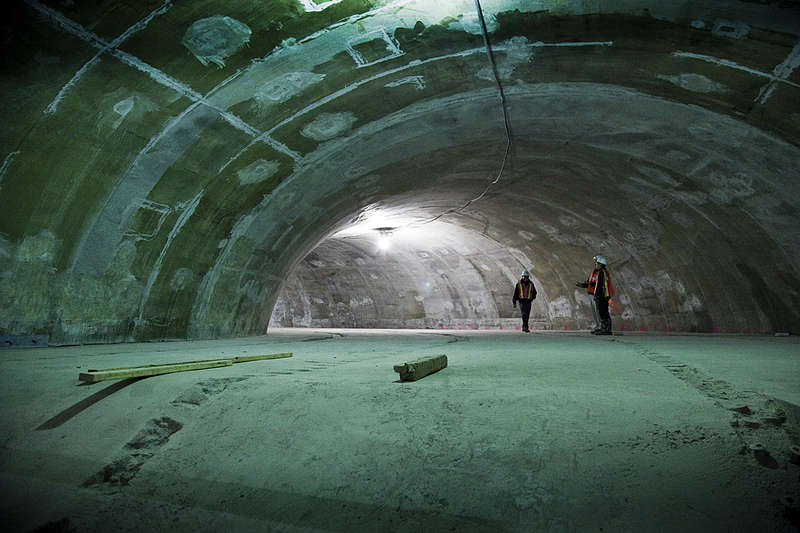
{"x": 93, "y": 376}
{"x": 419, "y": 368}
{"x": 246, "y": 358}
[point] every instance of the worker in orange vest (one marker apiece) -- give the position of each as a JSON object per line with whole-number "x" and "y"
{"x": 525, "y": 294}
{"x": 599, "y": 285}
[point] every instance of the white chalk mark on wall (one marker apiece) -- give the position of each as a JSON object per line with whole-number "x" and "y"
{"x": 781, "y": 73}
{"x": 390, "y": 50}
{"x": 419, "y": 81}
{"x": 53, "y": 106}
{"x": 157, "y": 75}
{"x": 733, "y": 65}
{"x": 144, "y": 219}
{"x": 71, "y": 27}
{"x": 310, "y": 5}
{"x": 391, "y": 72}
{"x": 122, "y": 108}
{"x": 188, "y": 211}
{"x": 7, "y": 163}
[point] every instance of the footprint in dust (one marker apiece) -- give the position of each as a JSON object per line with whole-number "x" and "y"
{"x": 138, "y": 450}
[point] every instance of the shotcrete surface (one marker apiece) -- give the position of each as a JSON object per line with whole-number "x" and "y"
{"x": 547, "y": 431}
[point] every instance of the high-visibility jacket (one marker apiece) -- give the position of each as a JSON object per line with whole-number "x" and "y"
{"x": 602, "y": 279}
{"x": 524, "y": 291}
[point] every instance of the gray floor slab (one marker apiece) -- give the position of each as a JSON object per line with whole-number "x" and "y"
{"x": 564, "y": 432}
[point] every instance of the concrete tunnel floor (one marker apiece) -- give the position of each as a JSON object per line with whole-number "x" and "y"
{"x": 541, "y": 432}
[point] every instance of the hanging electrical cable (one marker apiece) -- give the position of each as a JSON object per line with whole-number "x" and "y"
{"x": 506, "y": 120}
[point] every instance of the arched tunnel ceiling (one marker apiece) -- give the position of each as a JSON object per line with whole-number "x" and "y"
{"x": 174, "y": 169}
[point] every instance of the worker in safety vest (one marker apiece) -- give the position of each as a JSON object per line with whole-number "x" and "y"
{"x": 599, "y": 285}
{"x": 524, "y": 293}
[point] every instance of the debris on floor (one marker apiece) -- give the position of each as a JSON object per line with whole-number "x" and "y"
{"x": 419, "y": 368}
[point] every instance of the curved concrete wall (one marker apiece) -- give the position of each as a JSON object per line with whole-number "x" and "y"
{"x": 173, "y": 168}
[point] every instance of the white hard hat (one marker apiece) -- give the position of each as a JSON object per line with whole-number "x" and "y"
{"x": 526, "y": 274}
{"x": 600, "y": 259}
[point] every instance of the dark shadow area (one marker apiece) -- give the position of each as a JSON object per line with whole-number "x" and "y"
{"x": 69, "y": 412}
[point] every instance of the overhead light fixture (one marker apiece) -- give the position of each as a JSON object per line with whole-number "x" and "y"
{"x": 384, "y": 239}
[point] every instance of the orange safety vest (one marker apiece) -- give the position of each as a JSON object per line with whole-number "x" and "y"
{"x": 525, "y": 290}
{"x": 608, "y": 287}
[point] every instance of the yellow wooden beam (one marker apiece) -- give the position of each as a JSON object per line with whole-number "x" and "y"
{"x": 93, "y": 376}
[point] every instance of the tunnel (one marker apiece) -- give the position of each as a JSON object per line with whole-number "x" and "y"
{"x": 374, "y": 176}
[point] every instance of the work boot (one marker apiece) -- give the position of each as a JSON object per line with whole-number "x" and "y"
{"x": 606, "y": 327}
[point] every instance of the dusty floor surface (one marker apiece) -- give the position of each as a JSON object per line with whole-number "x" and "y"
{"x": 541, "y": 432}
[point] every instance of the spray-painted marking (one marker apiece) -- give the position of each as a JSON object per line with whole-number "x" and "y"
{"x": 411, "y": 64}
{"x": 781, "y": 73}
{"x": 154, "y": 272}
{"x": 6, "y": 163}
{"x": 734, "y": 65}
{"x": 157, "y": 75}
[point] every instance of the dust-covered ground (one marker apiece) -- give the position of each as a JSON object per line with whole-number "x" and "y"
{"x": 540, "y": 432}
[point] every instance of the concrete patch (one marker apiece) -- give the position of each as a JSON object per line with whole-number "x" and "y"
{"x": 257, "y": 171}
{"x": 282, "y": 89}
{"x": 729, "y": 188}
{"x": 181, "y": 278}
{"x": 657, "y": 174}
{"x": 470, "y": 23}
{"x": 568, "y": 221}
{"x": 683, "y": 220}
{"x": 517, "y": 52}
{"x": 696, "y": 83}
{"x": 215, "y": 38}
{"x": 560, "y": 308}
{"x": 727, "y": 28}
{"x": 690, "y": 304}
{"x": 329, "y": 125}
{"x": 39, "y": 248}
